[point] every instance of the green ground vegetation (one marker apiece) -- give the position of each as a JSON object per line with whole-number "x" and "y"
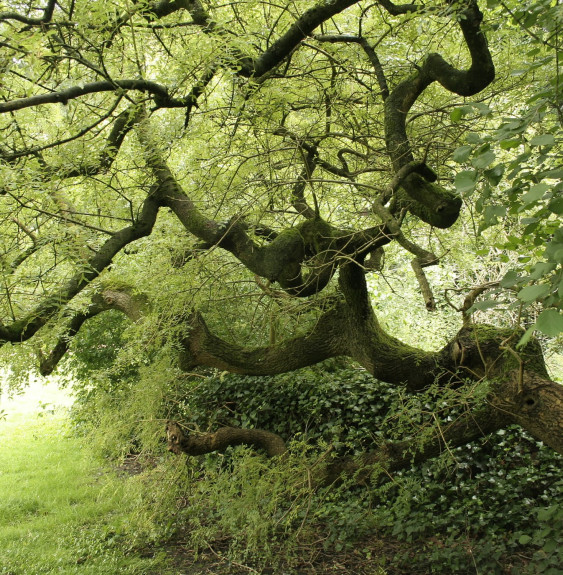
{"x": 61, "y": 510}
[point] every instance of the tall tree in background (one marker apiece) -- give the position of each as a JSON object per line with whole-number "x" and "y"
{"x": 181, "y": 159}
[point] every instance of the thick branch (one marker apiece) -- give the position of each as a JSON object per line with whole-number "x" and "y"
{"x": 160, "y": 93}
{"x": 432, "y": 203}
{"x": 313, "y": 243}
{"x": 396, "y": 455}
{"x": 122, "y": 299}
{"x": 45, "y": 19}
{"x": 301, "y": 28}
{"x": 180, "y": 442}
{"x": 201, "y": 347}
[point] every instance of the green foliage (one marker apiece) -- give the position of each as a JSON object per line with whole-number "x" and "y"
{"x": 96, "y": 346}
{"x": 513, "y": 180}
{"x": 482, "y": 508}
{"x": 341, "y": 407}
{"x": 476, "y": 507}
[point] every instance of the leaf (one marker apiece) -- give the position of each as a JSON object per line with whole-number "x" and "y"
{"x": 525, "y": 338}
{"x": 550, "y": 322}
{"x": 524, "y": 539}
{"x": 482, "y": 108}
{"x": 543, "y": 140}
{"x": 510, "y": 278}
{"x": 509, "y": 144}
{"x": 532, "y": 293}
{"x": 494, "y": 175}
{"x": 483, "y": 160}
{"x": 483, "y": 305}
{"x": 462, "y": 153}
{"x": 456, "y": 115}
{"x": 473, "y": 138}
{"x": 465, "y": 181}
{"x": 535, "y": 193}
{"x": 556, "y": 205}
{"x": 541, "y": 269}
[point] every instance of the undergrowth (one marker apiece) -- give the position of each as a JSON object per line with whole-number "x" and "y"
{"x": 493, "y": 507}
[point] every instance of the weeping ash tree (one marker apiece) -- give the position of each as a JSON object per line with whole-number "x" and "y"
{"x": 187, "y": 161}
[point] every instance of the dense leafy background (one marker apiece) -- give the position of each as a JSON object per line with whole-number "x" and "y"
{"x": 494, "y": 507}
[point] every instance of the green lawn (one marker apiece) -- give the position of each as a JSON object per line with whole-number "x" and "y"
{"x": 61, "y": 511}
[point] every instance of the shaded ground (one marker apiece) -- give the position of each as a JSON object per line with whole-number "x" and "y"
{"x": 320, "y": 562}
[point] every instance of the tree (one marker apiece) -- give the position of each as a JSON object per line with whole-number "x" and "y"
{"x": 159, "y": 157}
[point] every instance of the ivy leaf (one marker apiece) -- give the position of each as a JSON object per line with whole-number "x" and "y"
{"x": 550, "y": 322}
{"x": 524, "y": 539}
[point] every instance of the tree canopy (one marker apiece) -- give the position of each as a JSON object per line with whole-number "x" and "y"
{"x": 233, "y": 177}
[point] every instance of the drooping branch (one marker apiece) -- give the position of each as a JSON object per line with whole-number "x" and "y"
{"x": 121, "y": 298}
{"x": 24, "y": 328}
{"x": 48, "y": 363}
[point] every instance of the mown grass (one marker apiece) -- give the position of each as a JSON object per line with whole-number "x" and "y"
{"x": 61, "y": 510}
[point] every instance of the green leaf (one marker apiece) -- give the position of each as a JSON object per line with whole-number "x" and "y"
{"x": 494, "y": 175}
{"x": 462, "y": 153}
{"x": 532, "y": 293}
{"x": 482, "y": 108}
{"x": 465, "y": 181}
{"x": 550, "y": 322}
{"x": 483, "y": 160}
{"x": 524, "y": 539}
{"x": 510, "y": 278}
{"x": 543, "y": 140}
{"x": 509, "y": 144}
{"x": 484, "y": 305}
{"x": 535, "y": 193}
{"x": 473, "y": 138}
{"x": 556, "y": 205}
{"x": 456, "y": 115}
{"x": 525, "y": 338}
{"x": 541, "y": 269}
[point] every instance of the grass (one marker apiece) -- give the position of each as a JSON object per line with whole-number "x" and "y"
{"x": 60, "y": 510}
